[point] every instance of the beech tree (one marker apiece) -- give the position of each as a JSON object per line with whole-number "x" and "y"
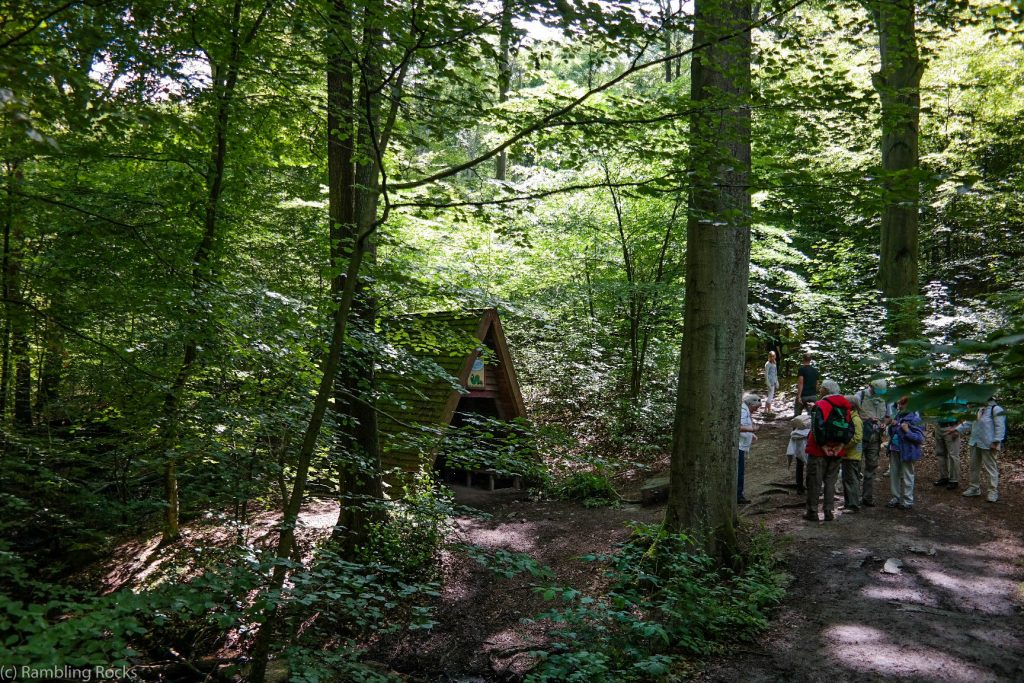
{"x": 702, "y": 491}
{"x": 226, "y": 62}
{"x": 898, "y": 82}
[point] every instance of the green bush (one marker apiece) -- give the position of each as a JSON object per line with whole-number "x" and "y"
{"x": 593, "y": 489}
{"x": 313, "y": 665}
{"x": 665, "y": 600}
{"x": 410, "y": 537}
{"x": 481, "y": 442}
{"x": 62, "y": 626}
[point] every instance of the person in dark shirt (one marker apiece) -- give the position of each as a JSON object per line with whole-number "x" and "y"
{"x": 806, "y": 385}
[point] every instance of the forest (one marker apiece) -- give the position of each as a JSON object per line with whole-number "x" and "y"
{"x": 346, "y": 340}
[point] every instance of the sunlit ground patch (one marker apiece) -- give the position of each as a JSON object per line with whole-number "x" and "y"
{"x": 874, "y": 651}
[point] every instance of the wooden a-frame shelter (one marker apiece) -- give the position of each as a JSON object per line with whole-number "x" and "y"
{"x": 469, "y": 346}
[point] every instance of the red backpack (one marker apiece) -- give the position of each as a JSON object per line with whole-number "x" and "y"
{"x": 836, "y": 426}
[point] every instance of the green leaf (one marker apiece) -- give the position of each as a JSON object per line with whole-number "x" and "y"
{"x": 975, "y": 393}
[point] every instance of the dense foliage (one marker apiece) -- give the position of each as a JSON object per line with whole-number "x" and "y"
{"x": 170, "y": 274}
{"x": 664, "y": 601}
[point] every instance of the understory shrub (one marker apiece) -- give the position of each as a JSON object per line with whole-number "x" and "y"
{"x": 665, "y": 600}
{"x": 592, "y": 489}
{"x": 509, "y": 447}
{"x": 414, "y": 528}
{"x": 329, "y": 611}
{"x": 68, "y": 627}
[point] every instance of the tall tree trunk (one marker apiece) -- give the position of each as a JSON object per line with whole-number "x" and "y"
{"x": 23, "y": 377}
{"x": 634, "y": 300}
{"x": 702, "y": 492}
{"x": 18, "y": 320}
{"x": 346, "y": 282}
{"x": 504, "y": 76}
{"x": 52, "y": 366}
{"x": 22, "y": 371}
{"x": 204, "y": 260}
{"x": 353, "y": 208}
{"x": 666, "y": 18}
{"x": 898, "y": 84}
{"x": 679, "y": 60}
{"x": 8, "y": 303}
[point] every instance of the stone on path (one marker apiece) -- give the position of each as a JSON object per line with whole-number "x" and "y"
{"x": 654, "y": 491}
{"x": 892, "y": 566}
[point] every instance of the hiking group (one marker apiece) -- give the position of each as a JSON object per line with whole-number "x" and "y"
{"x": 842, "y": 437}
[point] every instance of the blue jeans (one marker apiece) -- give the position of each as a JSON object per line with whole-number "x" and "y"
{"x": 739, "y": 476}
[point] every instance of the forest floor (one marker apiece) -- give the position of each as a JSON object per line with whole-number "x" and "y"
{"x": 953, "y": 613}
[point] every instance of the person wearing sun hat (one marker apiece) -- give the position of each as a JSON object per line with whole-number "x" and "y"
{"x": 874, "y": 413}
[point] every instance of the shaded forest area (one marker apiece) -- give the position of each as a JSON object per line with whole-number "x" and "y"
{"x": 230, "y": 229}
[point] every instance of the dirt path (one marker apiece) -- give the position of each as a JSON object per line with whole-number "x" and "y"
{"x": 948, "y": 617}
{"x": 481, "y": 633}
{"x": 955, "y": 615}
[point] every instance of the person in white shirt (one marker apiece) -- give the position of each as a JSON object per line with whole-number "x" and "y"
{"x": 988, "y": 431}
{"x": 749, "y": 406}
{"x": 771, "y": 379}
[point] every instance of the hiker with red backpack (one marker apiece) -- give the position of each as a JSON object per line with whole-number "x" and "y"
{"x": 831, "y": 429}
{"x": 906, "y": 435}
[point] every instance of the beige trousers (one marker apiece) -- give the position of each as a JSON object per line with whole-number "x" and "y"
{"x": 985, "y": 459}
{"x": 947, "y": 450}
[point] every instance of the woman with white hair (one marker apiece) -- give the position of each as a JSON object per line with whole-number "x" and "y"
{"x": 830, "y": 387}
{"x": 749, "y": 406}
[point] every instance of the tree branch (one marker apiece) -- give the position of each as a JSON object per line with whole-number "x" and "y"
{"x": 36, "y": 23}
{"x": 524, "y": 197}
{"x": 562, "y": 111}
{"x": 82, "y": 335}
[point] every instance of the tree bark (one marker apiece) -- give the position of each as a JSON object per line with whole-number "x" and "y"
{"x": 51, "y": 367}
{"x": 634, "y": 300}
{"x": 17, "y": 320}
{"x": 898, "y": 83}
{"x": 666, "y": 17}
{"x": 204, "y": 260}
{"x": 328, "y": 371}
{"x": 702, "y": 491}
{"x": 504, "y": 77}
{"x": 374, "y": 140}
{"x": 353, "y": 208}
{"x": 5, "y": 273}
{"x": 22, "y": 371}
